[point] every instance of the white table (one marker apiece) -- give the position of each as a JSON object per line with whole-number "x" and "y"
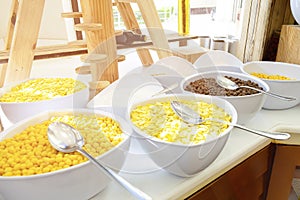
{"x": 161, "y": 185}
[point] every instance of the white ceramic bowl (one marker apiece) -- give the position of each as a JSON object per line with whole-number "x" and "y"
{"x": 246, "y": 106}
{"x": 179, "y": 159}
{"x": 282, "y": 87}
{"x": 81, "y": 181}
{"x": 16, "y": 111}
{"x": 295, "y": 8}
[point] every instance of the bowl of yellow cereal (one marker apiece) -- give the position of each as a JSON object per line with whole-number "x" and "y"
{"x": 175, "y": 146}
{"x": 26, "y": 98}
{"x": 282, "y": 78}
{"x": 30, "y": 168}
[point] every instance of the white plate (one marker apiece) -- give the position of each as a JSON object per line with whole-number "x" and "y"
{"x": 217, "y": 58}
{"x": 295, "y": 7}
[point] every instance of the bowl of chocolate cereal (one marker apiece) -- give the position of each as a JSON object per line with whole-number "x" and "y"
{"x": 246, "y": 101}
{"x": 282, "y": 78}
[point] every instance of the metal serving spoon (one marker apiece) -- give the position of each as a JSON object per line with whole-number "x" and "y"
{"x": 190, "y": 116}
{"x": 67, "y": 139}
{"x": 228, "y": 84}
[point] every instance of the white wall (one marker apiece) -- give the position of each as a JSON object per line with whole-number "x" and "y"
{"x": 52, "y": 25}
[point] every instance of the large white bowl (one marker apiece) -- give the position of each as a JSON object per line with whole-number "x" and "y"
{"x": 282, "y": 87}
{"x": 179, "y": 159}
{"x": 246, "y": 106}
{"x": 81, "y": 181}
{"x": 16, "y": 111}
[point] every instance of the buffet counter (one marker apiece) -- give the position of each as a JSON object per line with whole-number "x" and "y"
{"x": 240, "y": 146}
{"x": 140, "y": 170}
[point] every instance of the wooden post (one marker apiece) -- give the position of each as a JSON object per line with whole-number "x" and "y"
{"x": 254, "y": 30}
{"x": 101, "y": 41}
{"x": 285, "y": 162}
{"x": 24, "y": 39}
{"x": 128, "y": 17}
{"x": 289, "y": 44}
{"x": 153, "y": 23}
{"x": 9, "y": 35}
{"x": 145, "y": 56}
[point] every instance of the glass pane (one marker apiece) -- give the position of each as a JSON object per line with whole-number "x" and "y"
{"x": 207, "y": 17}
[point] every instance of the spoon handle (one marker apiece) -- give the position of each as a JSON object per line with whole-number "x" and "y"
{"x": 272, "y": 135}
{"x": 132, "y": 189}
{"x": 286, "y": 98}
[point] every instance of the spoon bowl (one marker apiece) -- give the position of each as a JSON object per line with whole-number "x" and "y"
{"x": 228, "y": 84}
{"x": 192, "y": 117}
{"x": 65, "y": 138}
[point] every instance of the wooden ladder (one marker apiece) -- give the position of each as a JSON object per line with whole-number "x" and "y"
{"x": 98, "y": 27}
{"x": 21, "y": 39}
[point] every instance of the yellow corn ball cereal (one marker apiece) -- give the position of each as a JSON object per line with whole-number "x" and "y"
{"x": 159, "y": 120}
{"x": 42, "y": 89}
{"x": 271, "y": 77}
{"x": 29, "y": 152}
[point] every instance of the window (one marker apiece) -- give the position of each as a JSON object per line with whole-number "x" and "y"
{"x": 207, "y": 17}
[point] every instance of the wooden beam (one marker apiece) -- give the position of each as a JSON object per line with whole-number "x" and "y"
{"x": 75, "y": 8}
{"x": 9, "y": 36}
{"x": 289, "y": 44}
{"x": 88, "y": 27}
{"x": 280, "y": 14}
{"x": 24, "y": 39}
{"x": 128, "y": 1}
{"x": 79, "y": 47}
{"x": 128, "y": 17}
{"x": 145, "y": 56}
{"x": 154, "y": 26}
{"x": 71, "y": 15}
{"x": 254, "y": 30}
{"x": 54, "y": 51}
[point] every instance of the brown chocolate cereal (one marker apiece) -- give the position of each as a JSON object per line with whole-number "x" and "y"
{"x": 209, "y": 86}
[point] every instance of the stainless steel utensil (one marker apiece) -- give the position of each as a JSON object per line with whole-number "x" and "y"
{"x": 228, "y": 84}
{"x": 65, "y": 138}
{"x": 190, "y": 116}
